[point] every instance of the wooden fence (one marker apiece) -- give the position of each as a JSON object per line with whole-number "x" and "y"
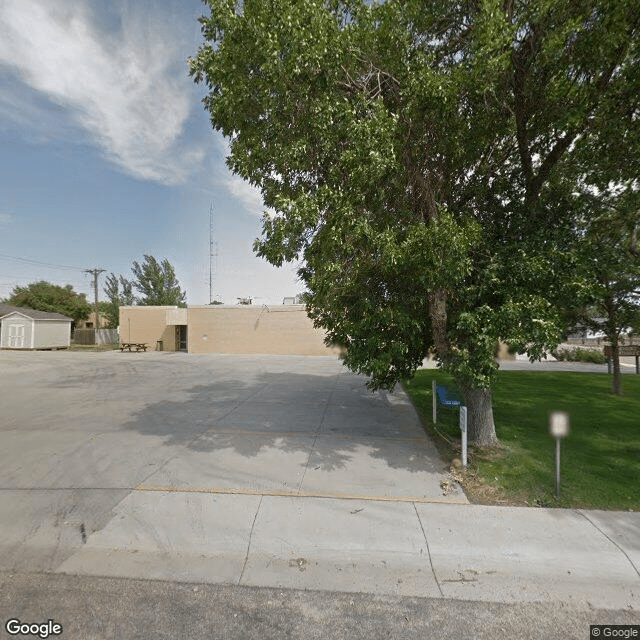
{"x": 106, "y": 336}
{"x": 84, "y": 336}
{"x": 91, "y": 336}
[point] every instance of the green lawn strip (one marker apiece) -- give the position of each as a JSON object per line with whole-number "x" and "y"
{"x": 600, "y": 457}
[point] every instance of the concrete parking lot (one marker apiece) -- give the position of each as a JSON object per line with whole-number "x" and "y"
{"x": 163, "y": 449}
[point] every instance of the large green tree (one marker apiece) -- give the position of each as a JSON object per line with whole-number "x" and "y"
{"x": 415, "y": 156}
{"x": 156, "y": 282}
{"x": 45, "y": 296}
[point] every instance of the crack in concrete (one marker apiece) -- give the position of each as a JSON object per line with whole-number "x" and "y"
{"x": 433, "y": 570}
{"x": 611, "y": 540}
{"x": 317, "y": 433}
{"x": 246, "y": 558}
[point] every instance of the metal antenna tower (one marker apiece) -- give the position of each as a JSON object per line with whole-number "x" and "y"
{"x": 213, "y": 255}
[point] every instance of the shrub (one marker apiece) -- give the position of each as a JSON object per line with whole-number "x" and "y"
{"x": 580, "y": 355}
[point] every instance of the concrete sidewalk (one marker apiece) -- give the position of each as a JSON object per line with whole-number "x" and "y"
{"x": 494, "y": 554}
{"x": 270, "y": 471}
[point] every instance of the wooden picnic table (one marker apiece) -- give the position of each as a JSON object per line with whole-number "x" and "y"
{"x": 138, "y": 346}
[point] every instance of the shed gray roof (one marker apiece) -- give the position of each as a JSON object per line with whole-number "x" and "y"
{"x": 6, "y": 309}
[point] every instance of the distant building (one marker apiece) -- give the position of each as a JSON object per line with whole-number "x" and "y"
{"x": 585, "y": 334}
{"x": 90, "y": 322}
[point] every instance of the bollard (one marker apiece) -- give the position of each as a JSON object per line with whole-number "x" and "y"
{"x": 435, "y": 401}
{"x": 463, "y": 429}
{"x": 559, "y": 428}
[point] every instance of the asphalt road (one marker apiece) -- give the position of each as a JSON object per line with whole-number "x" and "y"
{"x": 90, "y": 608}
{"x": 627, "y": 366}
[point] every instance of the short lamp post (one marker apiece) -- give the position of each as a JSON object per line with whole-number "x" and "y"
{"x": 558, "y": 428}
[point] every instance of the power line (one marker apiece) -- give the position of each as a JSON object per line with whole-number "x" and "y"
{"x": 15, "y": 280}
{"x": 60, "y": 278}
{"x": 46, "y": 264}
{"x": 14, "y": 277}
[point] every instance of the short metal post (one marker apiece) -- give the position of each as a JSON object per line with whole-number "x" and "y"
{"x": 609, "y": 363}
{"x": 638, "y": 364}
{"x": 463, "y": 429}
{"x": 433, "y": 393}
{"x": 557, "y": 468}
{"x": 559, "y": 428}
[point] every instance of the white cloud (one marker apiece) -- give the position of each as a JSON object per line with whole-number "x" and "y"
{"x": 247, "y": 194}
{"x": 128, "y": 88}
{"x": 5, "y": 218}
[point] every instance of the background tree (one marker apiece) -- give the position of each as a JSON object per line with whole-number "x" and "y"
{"x": 610, "y": 262}
{"x": 127, "y": 297}
{"x": 414, "y": 153}
{"x": 45, "y": 296}
{"x": 156, "y": 282}
{"x": 112, "y": 307}
{"x": 119, "y": 291}
{"x": 106, "y": 322}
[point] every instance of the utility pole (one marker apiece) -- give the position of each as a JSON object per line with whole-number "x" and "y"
{"x": 95, "y": 272}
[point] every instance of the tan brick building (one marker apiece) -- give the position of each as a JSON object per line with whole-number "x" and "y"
{"x": 277, "y": 329}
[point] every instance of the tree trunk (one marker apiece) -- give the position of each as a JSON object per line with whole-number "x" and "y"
{"x": 612, "y": 328}
{"x": 615, "y": 356}
{"x": 480, "y": 427}
{"x": 438, "y": 315}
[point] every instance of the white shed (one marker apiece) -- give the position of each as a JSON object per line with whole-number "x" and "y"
{"x": 30, "y": 329}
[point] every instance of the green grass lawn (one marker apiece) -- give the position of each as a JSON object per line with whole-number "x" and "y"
{"x": 600, "y": 465}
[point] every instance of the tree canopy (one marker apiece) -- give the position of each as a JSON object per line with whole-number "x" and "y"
{"x": 119, "y": 291}
{"x": 156, "y": 282}
{"x": 45, "y": 296}
{"x": 420, "y": 157}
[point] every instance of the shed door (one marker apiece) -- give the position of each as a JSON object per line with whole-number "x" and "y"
{"x": 16, "y": 336}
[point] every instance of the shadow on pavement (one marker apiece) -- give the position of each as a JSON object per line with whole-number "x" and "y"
{"x": 291, "y": 412}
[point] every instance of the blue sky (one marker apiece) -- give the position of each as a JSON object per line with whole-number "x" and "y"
{"x": 107, "y": 154}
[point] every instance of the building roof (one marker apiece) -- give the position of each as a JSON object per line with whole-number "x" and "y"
{"x": 34, "y": 314}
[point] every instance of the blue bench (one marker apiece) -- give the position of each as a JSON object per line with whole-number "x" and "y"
{"x": 447, "y": 398}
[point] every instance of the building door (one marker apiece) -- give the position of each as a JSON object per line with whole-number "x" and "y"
{"x": 181, "y": 337}
{"x": 16, "y": 336}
